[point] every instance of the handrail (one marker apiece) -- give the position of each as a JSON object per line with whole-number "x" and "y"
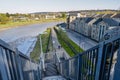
{"x": 88, "y": 62}
{"x": 57, "y": 57}
{"x": 82, "y": 53}
{"x": 5, "y": 45}
{"x": 16, "y": 66}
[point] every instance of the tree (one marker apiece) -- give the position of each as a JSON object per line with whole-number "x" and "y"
{"x": 8, "y": 15}
{"x": 63, "y": 15}
{"x": 3, "y": 19}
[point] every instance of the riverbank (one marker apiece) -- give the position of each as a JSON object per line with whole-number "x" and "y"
{"x": 23, "y": 23}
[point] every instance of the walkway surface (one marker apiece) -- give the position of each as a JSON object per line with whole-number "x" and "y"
{"x": 51, "y": 70}
{"x": 60, "y": 51}
{"x": 80, "y": 40}
{"x": 54, "y": 78}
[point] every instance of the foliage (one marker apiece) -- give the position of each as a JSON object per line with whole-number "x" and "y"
{"x": 36, "y": 51}
{"x": 11, "y": 24}
{"x": 3, "y": 19}
{"x": 63, "y": 15}
{"x": 8, "y": 15}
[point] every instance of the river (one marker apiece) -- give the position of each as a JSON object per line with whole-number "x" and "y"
{"x": 21, "y": 37}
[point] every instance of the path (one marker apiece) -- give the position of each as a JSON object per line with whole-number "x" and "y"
{"x": 56, "y": 44}
{"x": 50, "y": 59}
{"x": 80, "y": 40}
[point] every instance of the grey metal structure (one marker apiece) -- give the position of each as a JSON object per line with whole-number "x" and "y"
{"x": 16, "y": 66}
{"x": 94, "y": 64}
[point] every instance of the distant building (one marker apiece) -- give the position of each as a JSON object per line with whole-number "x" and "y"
{"x": 100, "y": 26}
{"x": 71, "y": 17}
{"x": 87, "y": 27}
{"x": 50, "y": 16}
{"x": 93, "y": 27}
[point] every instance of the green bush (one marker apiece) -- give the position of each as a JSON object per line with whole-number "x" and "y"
{"x": 3, "y": 19}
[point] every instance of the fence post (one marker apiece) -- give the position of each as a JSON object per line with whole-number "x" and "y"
{"x": 116, "y": 75}
{"x": 99, "y": 61}
{"x": 79, "y": 67}
{"x": 19, "y": 64}
{"x": 67, "y": 65}
{"x": 3, "y": 72}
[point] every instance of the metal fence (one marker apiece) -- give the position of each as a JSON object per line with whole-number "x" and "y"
{"x": 15, "y": 66}
{"x": 96, "y": 63}
{"x": 93, "y": 64}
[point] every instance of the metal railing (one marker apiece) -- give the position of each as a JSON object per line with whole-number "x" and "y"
{"x": 16, "y": 66}
{"x": 93, "y": 64}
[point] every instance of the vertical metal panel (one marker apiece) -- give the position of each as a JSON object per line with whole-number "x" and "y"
{"x": 103, "y": 65}
{"x": 109, "y": 51}
{"x": 117, "y": 66}
{"x": 15, "y": 67}
{"x": 93, "y": 66}
{"x": 95, "y": 62}
{"x": 111, "y": 58}
{"x": 98, "y": 65}
{"x": 6, "y": 63}
{"x": 10, "y": 64}
{"x": 1, "y": 75}
{"x": 2, "y": 66}
{"x": 79, "y": 68}
{"x": 19, "y": 65}
{"x": 13, "y": 55}
{"x": 31, "y": 70}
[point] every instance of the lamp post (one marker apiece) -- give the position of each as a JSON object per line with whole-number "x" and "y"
{"x": 79, "y": 43}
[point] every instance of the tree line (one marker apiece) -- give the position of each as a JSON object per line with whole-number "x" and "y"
{"x": 6, "y": 17}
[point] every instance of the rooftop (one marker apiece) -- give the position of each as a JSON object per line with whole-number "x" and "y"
{"x": 109, "y": 21}
{"x": 116, "y": 16}
{"x": 88, "y": 19}
{"x": 107, "y": 15}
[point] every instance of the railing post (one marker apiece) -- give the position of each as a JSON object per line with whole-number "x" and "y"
{"x": 3, "y": 72}
{"x": 19, "y": 64}
{"x": 67, "y": 65}
{"x": 116, "y": 73}
{"x": 99, "y": 61}
{"x": 40, "y": 67}
{"x": 31, "y": 67}
{"x": 79, "y": 67}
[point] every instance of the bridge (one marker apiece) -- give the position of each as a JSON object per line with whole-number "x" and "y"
{"x": 101, "y": 62}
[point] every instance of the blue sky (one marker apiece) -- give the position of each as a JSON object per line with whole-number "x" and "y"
{"x": 28, "y": 6}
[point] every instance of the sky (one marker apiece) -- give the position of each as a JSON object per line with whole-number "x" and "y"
{"x": 29, "y": 6}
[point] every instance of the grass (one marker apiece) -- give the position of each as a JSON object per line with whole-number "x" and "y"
{"x": 62, "y": 35}
{"x": 45, "y": 41}
{"x": 11, "y": 24}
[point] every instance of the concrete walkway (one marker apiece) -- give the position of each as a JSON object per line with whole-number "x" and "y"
{"x": 54, "y": 78}
{"x": 84, "y": 42}
{"x": 51, "y": 71}
{"x": 60, "y": 51}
